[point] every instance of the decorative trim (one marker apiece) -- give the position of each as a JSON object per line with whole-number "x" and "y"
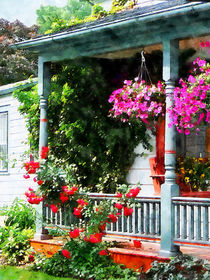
{"x": 170, "y": 152}
{"x": 43, "y": 120}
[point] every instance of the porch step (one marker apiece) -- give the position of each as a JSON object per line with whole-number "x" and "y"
{"x": 137, "y": 259}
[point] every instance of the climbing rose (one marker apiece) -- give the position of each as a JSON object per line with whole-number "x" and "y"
{"x": 40, "y": 182}
{"x": 66, "y": 254}
{"x": 119, "y": 195}
{"x": 74, "y": 233}
{"x": 118, "y": 206}
{"x": 26, "y": 176}
{"x": 82, "y": 202}
{"x": 103, "y": 253}
{"x": 113, "y": 218}
{"x": 128, "y": 211}
{"x": 94, "y": 238}
{"x": 54, "y": 208}
{"x": 63, "y": 197}
{"x": 77, "y": 213}
{"x": 44, "y": 152}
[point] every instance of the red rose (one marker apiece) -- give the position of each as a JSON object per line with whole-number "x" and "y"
{"x": 118, "y": 206}
{"x": 82, "y": 202}
{"x": 77, "y": 213}
{"x": 113, "y": 218}
{"x": 74, "y": 233}
{"x": 31, "y": 258}
{"x": 103, "y": 253}
{"x": 66, "y": 254}
{"x": 119, "y": 195}
{"x": 26, "y": 176}
{"x": 128, "y": 211}
{"x": 40, "y": 182}
{"x": 44, "y": 152}
{"x": 63, "y": 197}
{"x": 54, "y": 208}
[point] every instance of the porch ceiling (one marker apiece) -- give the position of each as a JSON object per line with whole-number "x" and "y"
{"x": 128, "y": 30}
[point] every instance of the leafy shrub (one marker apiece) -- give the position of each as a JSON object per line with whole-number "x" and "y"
{"x": 16, "y": 246}
{"x": 85, "y": 263}
{"x": 181, "y": 267}
{"x": 20, "y": 214}
{"x": 19, "y": 228}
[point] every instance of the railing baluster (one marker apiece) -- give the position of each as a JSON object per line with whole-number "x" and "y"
{"x": 158, "y": 219}
{"x": 198, "y": 223}
{"x": 205, "y": 224}
{"x": 136, "y": 220}
{"x": 191, "y": 223}
{"x": 147, "y": 221}
{"x": 142, "y": 219}
{"x": 153, "y": 219}
{"x": 184, "y": 222}
{"x": 178, "y": 221}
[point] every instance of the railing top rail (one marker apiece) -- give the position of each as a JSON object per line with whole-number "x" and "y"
{"x": 110, "y": 196}
{"x": 191, "y": 199}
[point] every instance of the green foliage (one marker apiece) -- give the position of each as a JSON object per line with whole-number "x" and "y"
{"x": 181, "y": 267}
{"x": 95, "y": 149}
{"x": 16, "y": 247}
{"x": 85, "y": 263}
{"x": 19, "y": 228}
{"x": 14, "y": 273}
{"x": 53, "y": 18}
{"x": 15, "y": 65}
{"x": 57, "y": 232}
{"x": 19, "y": 214}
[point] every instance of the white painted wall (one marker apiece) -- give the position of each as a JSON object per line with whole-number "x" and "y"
{"x": 12, "y": 184}
{"x": 140, "y": 170}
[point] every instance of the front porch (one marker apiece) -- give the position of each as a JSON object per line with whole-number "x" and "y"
{"x": 170, "y": 223}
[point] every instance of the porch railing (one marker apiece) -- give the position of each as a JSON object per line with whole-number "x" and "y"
{"x": 191, "y": 219}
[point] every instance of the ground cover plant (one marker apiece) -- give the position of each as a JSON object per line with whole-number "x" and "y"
{"x": 181, "y": 267}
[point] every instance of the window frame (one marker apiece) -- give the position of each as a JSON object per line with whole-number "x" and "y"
{"x": 5, "y": 109}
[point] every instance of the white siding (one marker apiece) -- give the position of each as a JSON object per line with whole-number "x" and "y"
{"x": 12, "y": 184}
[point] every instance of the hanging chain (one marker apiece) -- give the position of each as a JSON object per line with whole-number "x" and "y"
{"x": 143, "y": 70}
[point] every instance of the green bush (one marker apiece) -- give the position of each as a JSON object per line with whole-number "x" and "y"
{"x": 85, "y": 263}
{"x": 181, "y": 267}
{"x": 16, "y": 246}
{"x": 21, "y": 214}
{"x": 19, "y": 228}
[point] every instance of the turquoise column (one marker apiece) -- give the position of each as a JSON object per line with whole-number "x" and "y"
{"x": 44, "y": 79}
{"x": 169, "y": 189}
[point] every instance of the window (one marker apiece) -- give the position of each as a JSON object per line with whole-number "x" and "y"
{"x": 3, "y": 141}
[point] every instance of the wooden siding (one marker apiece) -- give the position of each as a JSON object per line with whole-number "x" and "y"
{"x": 12, "y": 183}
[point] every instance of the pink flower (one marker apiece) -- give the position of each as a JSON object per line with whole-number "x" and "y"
{"x": 26, "y": 176}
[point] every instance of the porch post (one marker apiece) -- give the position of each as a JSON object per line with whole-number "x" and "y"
{"x": 44, "y": 78}
{"x": 169, "y": 188}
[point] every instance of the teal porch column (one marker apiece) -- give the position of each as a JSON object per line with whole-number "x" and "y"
{"x": 169, "y": 188}
{"x": 44, "y": 79}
